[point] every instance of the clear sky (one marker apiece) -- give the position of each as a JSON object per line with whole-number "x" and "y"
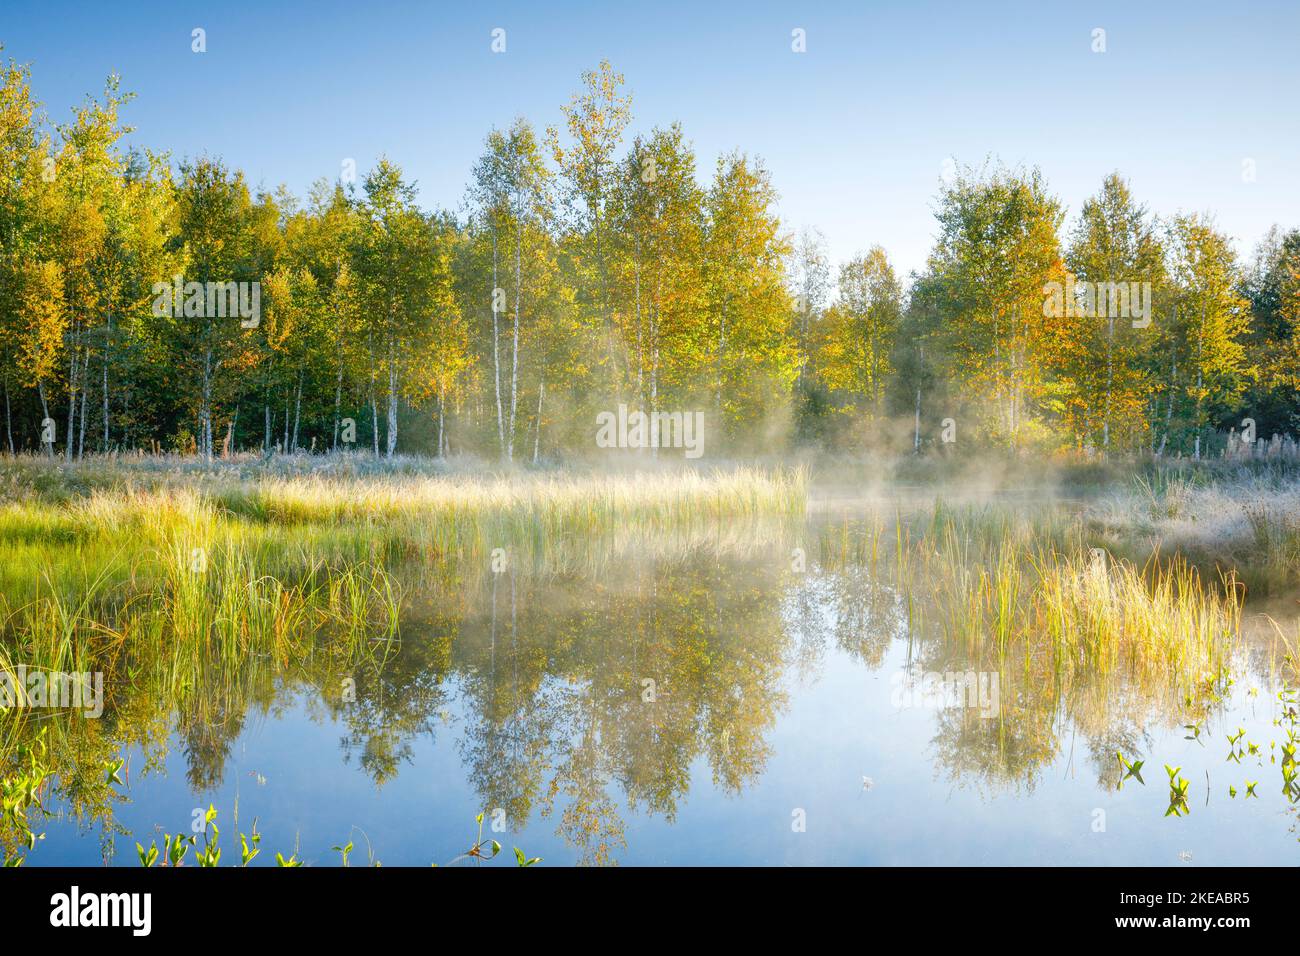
{"x": 855, "y": 130}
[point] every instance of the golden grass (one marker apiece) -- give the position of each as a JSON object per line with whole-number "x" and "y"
{"x": 1028, "y": 588}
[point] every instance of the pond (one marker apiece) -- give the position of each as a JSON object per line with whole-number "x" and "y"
{"x": 723, "y": 698}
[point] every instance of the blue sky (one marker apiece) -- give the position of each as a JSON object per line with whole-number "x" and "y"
{"x": 855, "y": 130}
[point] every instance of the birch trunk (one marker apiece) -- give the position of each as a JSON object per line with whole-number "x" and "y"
{"x": 392, "y": 406}
{"x": 9, "y": 420}
{"x": 338, "y": 400}
{"x": 72, "y": 398}
{"x": 514, "y": 359}
{"x": 107, "y": 342}
{"x": 541, "y": 394}
{"x": 496, "y": 348}
{"x": 45, "y": 415}
{"x": 297, "y": 412}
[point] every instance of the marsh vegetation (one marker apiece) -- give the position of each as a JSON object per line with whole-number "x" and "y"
{"x": 586, "y": 658}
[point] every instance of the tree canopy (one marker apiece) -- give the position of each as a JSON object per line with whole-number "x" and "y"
{"x": 589, "y": 269}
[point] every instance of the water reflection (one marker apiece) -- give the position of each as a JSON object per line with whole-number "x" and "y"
{"x": 576, "y": 687}
{"x": 610, "y": 688}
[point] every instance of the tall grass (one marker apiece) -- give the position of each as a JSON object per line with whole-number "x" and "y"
{"x": 210, "y": 592}
{"x": 1246, "y": 520}
{"x": 1029, "y": 588}
{"x": 195, "y": 588}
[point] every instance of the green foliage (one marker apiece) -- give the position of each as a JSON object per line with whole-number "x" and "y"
{"x": 590, "y": 272}
{"x": 21, "y": 792}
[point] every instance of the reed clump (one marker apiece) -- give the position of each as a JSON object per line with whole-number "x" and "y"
{"x": 189, "y": 582}
{"x": 1031, "y": 589}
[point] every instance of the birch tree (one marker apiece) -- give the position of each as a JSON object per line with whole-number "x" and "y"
{"x": 215, "y": 243}
{"x": 595, "y": 119}
{"x": 996, "y": 251}
{"x": 511, "y": 193}
{"x": 1212, "y": 323}
{"x": 860, "y": 330}
{"x": 755, "y": 358}
{"x": 1114, "y": 242}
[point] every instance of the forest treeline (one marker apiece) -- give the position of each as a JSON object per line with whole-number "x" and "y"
{"x": 588, "y": 269}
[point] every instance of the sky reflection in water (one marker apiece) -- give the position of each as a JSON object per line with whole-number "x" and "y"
{"x": 774, "y": 701}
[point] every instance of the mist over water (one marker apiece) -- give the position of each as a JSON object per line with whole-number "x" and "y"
{"x": 721, "y": 697}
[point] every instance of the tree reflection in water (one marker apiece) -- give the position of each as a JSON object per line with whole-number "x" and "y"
{"x": 589, "y": 687}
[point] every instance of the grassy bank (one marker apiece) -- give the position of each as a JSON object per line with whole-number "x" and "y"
{"x": 193, "y": 579}
{"x": 205, "y": 595}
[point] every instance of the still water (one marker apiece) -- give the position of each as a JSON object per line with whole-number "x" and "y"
{"x": 731, "y": 702}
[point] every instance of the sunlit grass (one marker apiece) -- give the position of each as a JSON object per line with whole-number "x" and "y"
{"x": 189, "y": 588}
{"x": 205, "y": 595}
{"x": 1028, "y": 589}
